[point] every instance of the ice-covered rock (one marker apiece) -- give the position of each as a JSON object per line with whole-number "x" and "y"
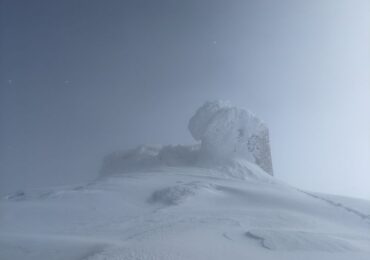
{"x": 179, "y": 155}
{"x": 144, "y": 157}
{"x": 228, "y": 132}
{"x": 141, "y": 157}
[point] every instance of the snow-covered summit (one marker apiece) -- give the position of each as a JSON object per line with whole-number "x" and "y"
{"x": 213, "y": 200}
{"x": 227, "y": 135}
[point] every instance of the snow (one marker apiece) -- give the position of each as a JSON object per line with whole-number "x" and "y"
{"x": 166, "y": 203}
{"x": 180, "y": 213}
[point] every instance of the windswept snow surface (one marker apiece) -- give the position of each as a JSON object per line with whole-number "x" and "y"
{"x": 233, "y": 212}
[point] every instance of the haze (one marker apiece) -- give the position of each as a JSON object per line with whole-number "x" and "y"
{"x": 80, "y": 79}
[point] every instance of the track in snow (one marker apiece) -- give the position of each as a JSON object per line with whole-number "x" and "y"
{"x": 339, "y": 205}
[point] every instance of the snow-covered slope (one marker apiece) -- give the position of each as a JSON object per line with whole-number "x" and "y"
{"x": 235, "y": 212}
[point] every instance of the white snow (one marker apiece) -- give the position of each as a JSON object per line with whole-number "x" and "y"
{"x": 165, "y": 203}
{"x": 180, "y": 213}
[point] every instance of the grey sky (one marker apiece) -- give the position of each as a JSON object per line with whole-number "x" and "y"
{"x": 82, "y": 78}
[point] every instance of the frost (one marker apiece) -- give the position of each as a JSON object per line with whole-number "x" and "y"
{"x": 228, "y": 132}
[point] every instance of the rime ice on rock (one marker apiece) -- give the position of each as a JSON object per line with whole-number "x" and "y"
{"x": 228, "y": 132}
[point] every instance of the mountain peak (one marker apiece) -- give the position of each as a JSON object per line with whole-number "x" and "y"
{"x": 226, "y": 134}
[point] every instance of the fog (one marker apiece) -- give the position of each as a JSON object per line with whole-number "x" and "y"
{"x": 80, "y": 79}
